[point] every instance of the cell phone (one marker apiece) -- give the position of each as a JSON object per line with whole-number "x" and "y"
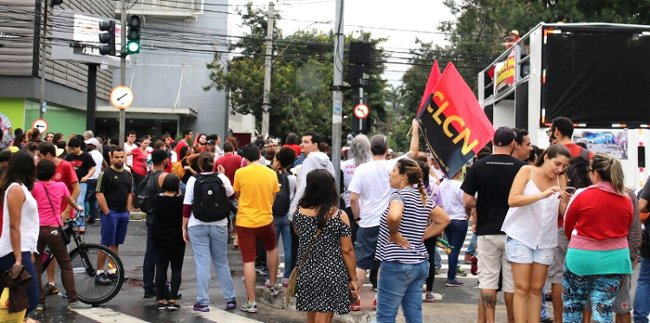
{"x": 570, "y": 189}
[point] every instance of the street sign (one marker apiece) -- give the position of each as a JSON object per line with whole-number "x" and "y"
{"x": 121, "y": 97}
{"x": 44, "y": 106}
{"x": 361, "y": 111}
{"x": 40, "y": 124}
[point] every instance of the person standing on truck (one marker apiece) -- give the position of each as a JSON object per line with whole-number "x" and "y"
{"x": 561, "y": 132}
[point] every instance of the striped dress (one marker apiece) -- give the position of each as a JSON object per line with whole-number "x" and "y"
{"x": 414, "y": 222}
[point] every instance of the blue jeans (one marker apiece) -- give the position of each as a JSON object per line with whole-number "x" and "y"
{"x": 641, "y": 303}
{"x": 8, "y": 261}
{"x": 91, "y": 199}
{"x": 455, "y": 232}
{"x": 149, "y": 263}
{"x": 471, "y": 249}
{"x": 211, "y": 242}
{"x": 282, "y": 228}
{"x": 401, "y": 284}
{"x": 81, "y": 219}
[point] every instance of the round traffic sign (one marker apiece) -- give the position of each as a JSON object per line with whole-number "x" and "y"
{"x": 361, "y": 111}
{"x": 40, "y": 124}
{"x": 121, "y": 97}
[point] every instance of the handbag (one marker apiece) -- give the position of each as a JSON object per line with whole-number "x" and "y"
{"x": 66, "y": 237}
{"x": 293, "y": 278}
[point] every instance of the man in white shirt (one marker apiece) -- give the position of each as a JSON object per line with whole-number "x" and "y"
{"x": 93, "y": 145}
{"x": 128, "y": 146}
{"x": 369, "y": 195}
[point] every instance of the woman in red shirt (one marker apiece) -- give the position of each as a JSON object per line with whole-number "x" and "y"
{"x": 139, "y": 169}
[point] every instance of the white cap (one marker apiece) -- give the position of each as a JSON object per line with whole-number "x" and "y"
{"x": 92, "y": 141}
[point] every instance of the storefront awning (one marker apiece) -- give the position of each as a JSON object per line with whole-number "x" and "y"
{"x": 188, "y": 112}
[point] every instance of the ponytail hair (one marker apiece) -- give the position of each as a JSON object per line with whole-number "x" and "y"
{"x": 206, "y": 161}
{"x": 413, "y": 172}
{"x": 610, "y": 170}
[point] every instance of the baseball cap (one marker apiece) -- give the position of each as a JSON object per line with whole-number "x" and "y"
{"x": 92, "y": 141}
{"x": 378, "y": 141}
{"x": 158, "y": 155}
{"x": 514, "y": 32}
{"x": 210, "y": 142}
{"x": 259, "y": 143}
{"x": 504, "y": 136}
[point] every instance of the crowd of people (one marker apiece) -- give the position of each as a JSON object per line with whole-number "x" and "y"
{"x": 539, "y": 216}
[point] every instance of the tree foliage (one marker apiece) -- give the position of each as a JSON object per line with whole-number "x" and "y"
{"x": 301, "y": 95}
{"x": 476, "y": 37}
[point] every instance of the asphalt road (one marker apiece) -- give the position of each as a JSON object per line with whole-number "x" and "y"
{"x": 453, "y": 304}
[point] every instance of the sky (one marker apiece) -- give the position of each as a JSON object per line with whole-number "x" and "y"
{"x": 399, "y": 21}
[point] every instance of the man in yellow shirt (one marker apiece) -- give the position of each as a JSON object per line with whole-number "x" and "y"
{"x": 256, "y": 186}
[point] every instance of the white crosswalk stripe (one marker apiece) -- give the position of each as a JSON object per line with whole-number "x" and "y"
{"x": 107, "y": 315}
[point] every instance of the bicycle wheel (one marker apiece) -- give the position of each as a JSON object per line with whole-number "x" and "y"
{"x": 84, "y": 264}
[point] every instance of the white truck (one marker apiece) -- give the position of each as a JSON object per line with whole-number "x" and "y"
{"x": 596, "y": 74}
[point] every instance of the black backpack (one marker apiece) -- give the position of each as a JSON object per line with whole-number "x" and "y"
{"x": 577, "y": 172}
{"x": 147, "y": 190}
{"x": 211, "y": 203}
{"x": 283, "y": 198}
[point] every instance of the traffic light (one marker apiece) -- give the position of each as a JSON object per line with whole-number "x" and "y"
{"x": 133, "y": 43}
{"x": 108, "y": 38}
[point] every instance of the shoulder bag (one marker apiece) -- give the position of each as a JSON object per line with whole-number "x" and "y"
{"x": 66, "y": 237}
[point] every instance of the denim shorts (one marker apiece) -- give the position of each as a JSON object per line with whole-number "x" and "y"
{"x": 114, "y": 226}
{"x": 365, "y": 246}
{"x": 519, "y": 253}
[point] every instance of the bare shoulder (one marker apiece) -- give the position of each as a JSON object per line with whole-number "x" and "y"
{"x": 344, "y": 217}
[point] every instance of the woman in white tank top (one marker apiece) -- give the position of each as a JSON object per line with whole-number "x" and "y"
{"x": 19, "y": 219}
{"x": 536, "y": 197}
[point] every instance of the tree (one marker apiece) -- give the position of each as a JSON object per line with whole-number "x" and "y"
{"x": 301, "y": 95}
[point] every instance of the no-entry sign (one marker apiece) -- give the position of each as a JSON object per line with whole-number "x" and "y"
{"x": 361, "y": 111}
{"x": 40, "y": 124}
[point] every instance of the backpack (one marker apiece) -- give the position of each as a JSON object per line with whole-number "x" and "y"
{"x": 283, "y": 198}
{"x": 147, "y": 190}
{"x": 178, "y": 168}
{"x": 210, "y": 203}
{"x": 577, "y": 172}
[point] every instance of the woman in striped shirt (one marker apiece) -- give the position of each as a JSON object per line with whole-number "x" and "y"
{"x": 597, "y": 222}
{"x": 400, "y": 247}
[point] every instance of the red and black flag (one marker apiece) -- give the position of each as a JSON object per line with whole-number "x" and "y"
{"x": 454, "y": 124}
{"x": 434, "y": 77}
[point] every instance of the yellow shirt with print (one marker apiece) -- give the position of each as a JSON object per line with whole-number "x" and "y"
{"x": 256, "y": 185}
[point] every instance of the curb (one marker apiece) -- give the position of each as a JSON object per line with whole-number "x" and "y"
{"x": 280, "y": 302}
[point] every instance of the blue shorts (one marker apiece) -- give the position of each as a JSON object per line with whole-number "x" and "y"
{"x": 114, "y": 225}
{"x": 519, "y": 253}
{"x": 365, "y": 246}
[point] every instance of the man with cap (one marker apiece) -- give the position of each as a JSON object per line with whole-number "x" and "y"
{"x": 93, "y": 145}
{"x": 159, "y": 159}
{"x": 369, "y": 196}
{"x": 491, "y": 177}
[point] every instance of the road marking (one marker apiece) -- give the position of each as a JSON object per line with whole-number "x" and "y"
{"x": 107, "y": 315}
{"x": 218, "y": 315}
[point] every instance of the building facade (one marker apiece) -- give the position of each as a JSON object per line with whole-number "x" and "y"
{"x": 168, "y": 76}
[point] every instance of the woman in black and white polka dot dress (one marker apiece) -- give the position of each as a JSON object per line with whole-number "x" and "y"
{"x": 328, "y": 277}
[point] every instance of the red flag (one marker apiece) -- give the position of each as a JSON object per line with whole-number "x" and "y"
{"x": 454, "y": 123}
{"x": 434, "y": 77}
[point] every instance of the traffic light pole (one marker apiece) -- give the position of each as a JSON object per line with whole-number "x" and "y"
{"x": 43, "y": 60}
{"x": 122, "y": 70}
{"x": 266, "y": 103}
{"x": 337, "y": 109}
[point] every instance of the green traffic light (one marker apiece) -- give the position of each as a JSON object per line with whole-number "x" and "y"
{"x": 133, "y": 47}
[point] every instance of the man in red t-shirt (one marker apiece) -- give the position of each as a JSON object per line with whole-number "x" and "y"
{"x": 185, "y": 142}
{"x": 292, "y": 142}
{"x": 230, "y": 162}
{"x": 64, "y": 173}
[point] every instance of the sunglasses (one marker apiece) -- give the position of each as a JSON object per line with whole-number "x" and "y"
{"x": 549, "y": 132}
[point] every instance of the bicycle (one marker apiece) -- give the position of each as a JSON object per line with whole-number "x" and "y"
{"x": 84, "y": 263}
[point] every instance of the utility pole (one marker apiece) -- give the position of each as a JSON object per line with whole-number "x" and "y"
{"x": 361, "y": 90}
{"x": 337, "y": 93}
{"x": 122, "y": 69}
{"x": 266, "y": 103}
{"x": 43, "y": 60}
